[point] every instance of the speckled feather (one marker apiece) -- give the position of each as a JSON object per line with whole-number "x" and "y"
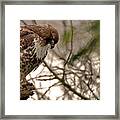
{"x": 35, "y": 41}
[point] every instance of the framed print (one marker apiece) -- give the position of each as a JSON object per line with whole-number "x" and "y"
{"x": 60, "y": 59}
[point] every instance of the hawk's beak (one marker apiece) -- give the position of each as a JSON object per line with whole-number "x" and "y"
{"x": 52, "y": 44}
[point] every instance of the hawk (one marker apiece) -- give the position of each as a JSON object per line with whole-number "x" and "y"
{"x": 35, "y": 41}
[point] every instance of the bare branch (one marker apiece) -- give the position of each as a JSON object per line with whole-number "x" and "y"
{"x": 66, "y": 85}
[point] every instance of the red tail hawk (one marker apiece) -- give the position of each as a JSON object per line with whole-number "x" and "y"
{"x": 35, "y": 41}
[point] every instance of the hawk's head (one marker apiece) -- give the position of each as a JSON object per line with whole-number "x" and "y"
{"x": 54, "y": 36}
{"x": 44, "y": 37}
{"x": 44, "y": 34}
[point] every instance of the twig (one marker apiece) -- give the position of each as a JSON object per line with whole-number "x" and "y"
{"x": 34, "y": 22}
{"x": 23, "y": 22}
{"x": 92, "y": 92}
{"x": 49, "y": 89}
{"x": 36, "y": 91}
{"x": 71, "y": 41}
{"x": 66, "y": 85}
{"x": 45, "y": 79}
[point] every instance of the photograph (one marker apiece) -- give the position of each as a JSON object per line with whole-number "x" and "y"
{"x": 59, "y": 60}
{"x": 60, "y": 63}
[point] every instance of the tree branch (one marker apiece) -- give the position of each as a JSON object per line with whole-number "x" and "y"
{"x": 66, "y": 85}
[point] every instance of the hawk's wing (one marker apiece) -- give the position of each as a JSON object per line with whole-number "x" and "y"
{"x": 28, "y": 59}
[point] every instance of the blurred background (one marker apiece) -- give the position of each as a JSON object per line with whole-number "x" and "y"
{"x": 71, "y": 71}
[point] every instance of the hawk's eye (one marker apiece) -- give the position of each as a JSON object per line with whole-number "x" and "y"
{"x": 49, "y": 41}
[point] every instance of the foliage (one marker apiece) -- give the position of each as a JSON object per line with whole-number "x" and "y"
{"x": 67, "y": 36}
{"x": 93, "y": 45}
